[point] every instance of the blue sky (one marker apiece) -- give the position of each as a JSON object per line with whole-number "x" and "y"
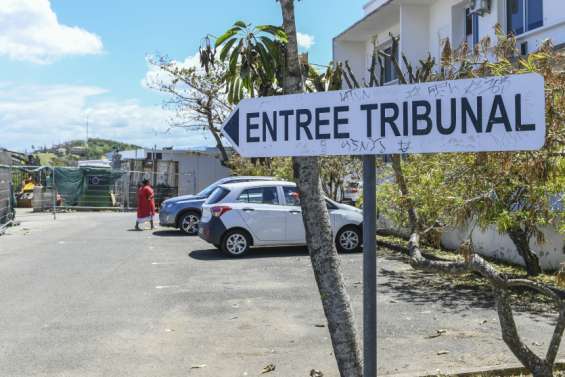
{"x": 62, "y": 61}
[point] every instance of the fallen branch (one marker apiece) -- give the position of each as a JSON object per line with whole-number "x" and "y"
{"x": 540, "y": 367}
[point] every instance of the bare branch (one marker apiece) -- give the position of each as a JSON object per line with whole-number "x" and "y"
{"x": 348, "y": 68}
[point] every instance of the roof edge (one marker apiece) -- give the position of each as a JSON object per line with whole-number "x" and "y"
{"x": 363, "y": 19}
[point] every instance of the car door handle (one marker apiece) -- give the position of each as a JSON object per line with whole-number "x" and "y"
{"x": 295, "y": 212}
{"x": 248, "y": 210}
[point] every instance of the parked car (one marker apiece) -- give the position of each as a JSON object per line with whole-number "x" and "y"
{"x": 352, "y": 192}
{"x": 241, "y": 215}
{"x": 183, "y": 212}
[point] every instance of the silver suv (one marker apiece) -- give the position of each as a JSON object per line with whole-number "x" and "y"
{"x": 183, "y": 212}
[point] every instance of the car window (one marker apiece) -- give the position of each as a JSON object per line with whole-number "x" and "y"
{"x": 291, "y": 196}
{"x": 259, "y": 195}
{"x": 217, "y": 195}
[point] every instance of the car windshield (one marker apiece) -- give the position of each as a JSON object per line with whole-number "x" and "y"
{"x": 217, "y": 195}
{"x": 208, "y": 190}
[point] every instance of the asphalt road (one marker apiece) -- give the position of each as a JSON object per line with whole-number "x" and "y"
{"x": 86, "y": 296}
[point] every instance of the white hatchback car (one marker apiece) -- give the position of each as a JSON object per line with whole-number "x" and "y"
{"x": 241, "y": 215}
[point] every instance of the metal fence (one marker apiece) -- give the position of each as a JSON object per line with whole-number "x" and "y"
{"x": 6, "y": 203}
{"x": 121, "y": 193}
{"x": 95, "y": 190}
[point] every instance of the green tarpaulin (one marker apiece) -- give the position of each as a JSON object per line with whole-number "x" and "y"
{"x": 86, "y": 186}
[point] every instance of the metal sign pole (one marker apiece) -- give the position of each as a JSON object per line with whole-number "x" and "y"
{"x": 369, "y": 267}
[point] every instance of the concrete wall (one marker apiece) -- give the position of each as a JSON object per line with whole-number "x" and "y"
{"x": 491, "y": 243}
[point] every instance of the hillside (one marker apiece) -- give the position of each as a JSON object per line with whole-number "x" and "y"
{"x": 68, "y": 153}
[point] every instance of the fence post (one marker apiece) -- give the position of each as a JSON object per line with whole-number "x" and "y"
{"x": 54, "y": 194}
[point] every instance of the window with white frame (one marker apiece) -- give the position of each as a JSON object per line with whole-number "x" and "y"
{"x": 523, "y": 15}
{"x": 389, "y": 71}
{"x": 471, "y": 27}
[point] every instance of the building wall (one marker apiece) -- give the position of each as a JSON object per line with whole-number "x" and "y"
{"x": 196, "y": 171}
{"x": 415, "y": 23}
{"x": 489, "y": 242}
{"x": 355, "y": 53}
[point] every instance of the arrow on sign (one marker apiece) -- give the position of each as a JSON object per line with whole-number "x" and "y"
{"x": 231, "y": 128}
{"x": 504, "y": 113}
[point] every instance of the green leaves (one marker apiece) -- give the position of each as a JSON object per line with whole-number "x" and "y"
{"x": 275, "y": 31}
{"x": 224, "y": 37}
{"x": 253, "y": 56}
{"x": 227, "y": 48}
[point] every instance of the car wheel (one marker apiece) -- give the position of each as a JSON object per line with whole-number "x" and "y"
{"x": 236, "y": 243}
{"x": 349, "y": 239}
{"x": 188, "y": 223}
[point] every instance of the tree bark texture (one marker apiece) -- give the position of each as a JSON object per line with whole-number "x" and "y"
{"x": 536, "y": 365}
{"x": 521, "y": 240}
{"x": 319, "y": 237}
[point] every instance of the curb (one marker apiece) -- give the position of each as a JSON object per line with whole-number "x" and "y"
{"x": 495, "y": 371}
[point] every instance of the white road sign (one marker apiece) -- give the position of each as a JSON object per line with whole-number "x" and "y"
{"x": 504, "y": 113}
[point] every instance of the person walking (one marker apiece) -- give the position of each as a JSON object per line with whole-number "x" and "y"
{"x": 145, "y": 204}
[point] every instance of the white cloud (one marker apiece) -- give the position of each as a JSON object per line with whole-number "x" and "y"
{"x": 45, "y": 115}
{"x": 155, "y": 75}
{"x": 305, "y": 41}
{"x": 30, "y": 31}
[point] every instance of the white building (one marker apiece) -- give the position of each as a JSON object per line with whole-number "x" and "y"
{"x": 423, "y": 26}
{"x": 195, "y": 168}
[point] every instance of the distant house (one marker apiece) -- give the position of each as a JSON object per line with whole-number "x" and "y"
{"x": 195, "y": 168}
{"x": 423, "y": 26}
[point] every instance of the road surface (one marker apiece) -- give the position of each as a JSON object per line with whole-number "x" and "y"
{"x": 86, "y": 296}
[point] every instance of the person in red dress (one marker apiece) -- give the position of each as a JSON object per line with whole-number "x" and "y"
{"x": 145, "y": 204}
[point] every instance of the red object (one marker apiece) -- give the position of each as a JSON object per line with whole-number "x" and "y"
{"x": 219, "y": 211}
{"x": 145, "y": 202}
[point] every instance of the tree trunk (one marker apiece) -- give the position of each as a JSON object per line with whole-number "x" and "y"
{"x": 319, "y": 237}
{"x": 219, "y": 144}
{"x": 521, "y": 240}
{"x": 401, "y": 182}
{"x": 536, "y": 365}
